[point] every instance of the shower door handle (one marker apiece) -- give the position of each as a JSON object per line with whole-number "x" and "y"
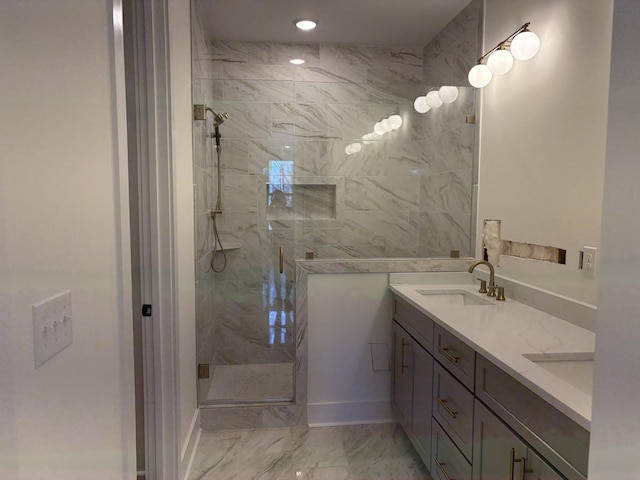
{"x": 281, "y": 260}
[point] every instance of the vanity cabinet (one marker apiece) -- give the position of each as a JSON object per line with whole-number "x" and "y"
{"x": 413, "y": 375}
{"x": 470, "y": 420}
{"x": 500, "y": 454}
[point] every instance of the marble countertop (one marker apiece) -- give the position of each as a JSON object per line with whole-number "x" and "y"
{"x": 504, "y": 331}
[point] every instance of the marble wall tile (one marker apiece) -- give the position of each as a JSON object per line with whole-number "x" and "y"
{"x": 205, "y": 68}
{"x": 280, "y": 53}
{"x": 238, "y": 194}
{"x": 396, "y": 73}
{"x": 390, "y": 193}
{"x": 407, "y": 158}
{"x": 258, "y": 90}
{"x": 342, "y": 74}
{"x": 207, "y": 91}
{"x": 447, "y": 192}
{"x": 234, "y": 156}
{"x": 355, "y": 55}
{"x": 245, "y": 71}
{"x": 443, "y": 232}
{"x": 247, "y": 120}
{"x": 204, "y": 194}
{"x": 330, "y": 92}
{"x": 377, "y": 228}
{"x": 229, "y": 51}
{"x": 309, "y": 121}
{"x": 451, "y": 150}
{"x": 407, "y": 56}
{"x": 394, "y": 94}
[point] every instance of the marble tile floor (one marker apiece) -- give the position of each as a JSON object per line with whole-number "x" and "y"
{"x": 251, "y": 383}
{"x": 353, "y": 452}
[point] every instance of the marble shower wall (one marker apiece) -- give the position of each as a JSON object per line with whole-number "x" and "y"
{"x": 408, "y": 195}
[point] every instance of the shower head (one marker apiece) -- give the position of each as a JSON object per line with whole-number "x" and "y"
{"x": 218, "y": 118}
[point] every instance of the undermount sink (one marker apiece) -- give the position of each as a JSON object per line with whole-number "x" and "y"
{"x": 455, "y": 297}
{"x": 574, "y": 368}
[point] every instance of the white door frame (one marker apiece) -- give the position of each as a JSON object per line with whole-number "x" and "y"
{"x": 158, "y": 268}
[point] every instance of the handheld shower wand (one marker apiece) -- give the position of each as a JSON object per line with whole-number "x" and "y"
{"x": 200, "y": 113}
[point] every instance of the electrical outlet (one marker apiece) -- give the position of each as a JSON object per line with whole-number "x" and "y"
{"x": 589, "y": 261}
{"x": 51, "y": 326}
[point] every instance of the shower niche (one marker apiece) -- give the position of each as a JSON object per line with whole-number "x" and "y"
{"x": 301, "y": 201}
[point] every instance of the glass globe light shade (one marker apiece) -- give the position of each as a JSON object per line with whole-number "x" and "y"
{"x": 347, "y": 149}
{"x": 366, "y": 136}
{"x": 448, "y": 94}
{"x": 385, "y": 125}
{"x": 378, "y": 129}
{"x": 297, "y": 61}
{"x": 500, "y": 62}
{"x": 433, "y": 99}
{"x": 420, "y": 105}
{"x": 356, "y": 147}
{"x": 480, "y": 76}
{"x": 395, "y": 121}
{"x": 525, "y": 45}
{"x": 374, "y": 136}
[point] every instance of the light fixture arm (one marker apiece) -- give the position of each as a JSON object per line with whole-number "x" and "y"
{"x": 505, "y": 42}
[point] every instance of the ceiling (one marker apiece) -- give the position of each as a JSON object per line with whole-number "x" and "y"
{"x": 355, "y": 22}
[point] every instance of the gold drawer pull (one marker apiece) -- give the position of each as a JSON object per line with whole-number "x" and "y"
{"x": 444, "y": 405}
{"x": 445, "y": 351}
{"x": 513, "y": 460}
{"x": 403, "y": 366}
{"x": 441, "y": 468}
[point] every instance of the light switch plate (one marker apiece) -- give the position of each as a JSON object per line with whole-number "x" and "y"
{"x": 51, "y": 326}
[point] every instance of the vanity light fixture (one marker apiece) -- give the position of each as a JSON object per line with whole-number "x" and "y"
{"x": 395, "y": 121}
{"x": 305, "y": 24}
{"x": 522, "y": 44}
{"x": 297, "y": 61}
{"x": 433, "y": 99}
{"x": 448, "y": 93}
{"x": 420, "y": 105}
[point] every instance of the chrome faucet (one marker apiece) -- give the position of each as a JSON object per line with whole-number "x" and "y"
{"x": 491, "y": 289}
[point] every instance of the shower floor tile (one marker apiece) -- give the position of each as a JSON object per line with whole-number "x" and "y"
{"x": 251, "y": 383}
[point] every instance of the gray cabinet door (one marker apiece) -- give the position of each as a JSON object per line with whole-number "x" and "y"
{"x": 402, "y": 375}
{"x": 497, "y": 451}
{"x": 422, "y": 401}
{"x": 499, "y": 454}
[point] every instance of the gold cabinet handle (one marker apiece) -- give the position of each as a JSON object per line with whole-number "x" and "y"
{"x": 403, "y": 366}
{"x": 443, "y": 404}
{"x": 281, "y": 260}
{"x": 441, "y": 468}
{"x": 512, "y": 461}
{"x": 445, "y": 351}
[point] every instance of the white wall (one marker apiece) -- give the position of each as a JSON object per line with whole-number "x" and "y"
{"x": 181, "y": 119}
{"x": 346, "y": 313}
{"x": 615, "y": 428}
{"x": 543, "y": 128}
{"x": 63, "y": 226}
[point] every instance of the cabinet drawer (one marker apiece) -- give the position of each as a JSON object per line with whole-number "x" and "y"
{"x": 455, "y": 356}
{"x": 561, "y": 441}
{"x": 448, "y": 462}
{"x": 415, "y": 322}
{"x": 453, "y": 408}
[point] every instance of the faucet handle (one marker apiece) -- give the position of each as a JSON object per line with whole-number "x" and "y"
{"x": 483, "y": 286}
{"x": 500, "y": 293}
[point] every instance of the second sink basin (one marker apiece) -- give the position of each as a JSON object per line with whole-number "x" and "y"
{"x": 455, "y": 297}
{"x": 574, "y": 368}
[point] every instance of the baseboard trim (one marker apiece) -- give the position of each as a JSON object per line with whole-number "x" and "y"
{"x": 190, "y": 446}
{"x": 349, "y": 413}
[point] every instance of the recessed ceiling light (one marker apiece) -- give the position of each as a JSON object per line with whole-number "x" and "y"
{"x": 297, "y": 61}
{"x": 305, "y": 24}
